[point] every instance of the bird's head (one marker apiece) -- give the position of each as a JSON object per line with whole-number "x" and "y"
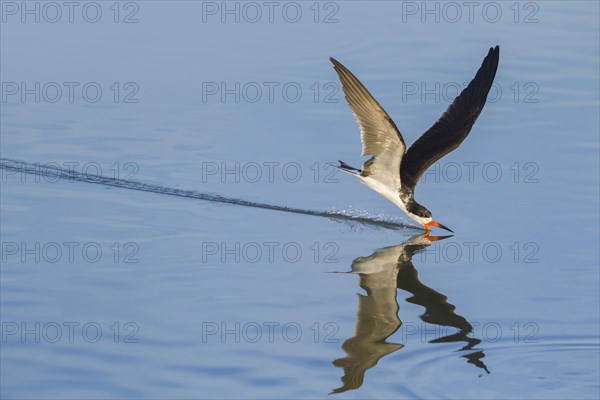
{"x": 423, "y": 216}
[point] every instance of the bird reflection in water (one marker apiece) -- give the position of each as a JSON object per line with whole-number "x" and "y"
{"x": 381, "y": 273}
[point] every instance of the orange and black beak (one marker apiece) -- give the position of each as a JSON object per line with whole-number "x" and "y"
{"x": 434, "y": 223}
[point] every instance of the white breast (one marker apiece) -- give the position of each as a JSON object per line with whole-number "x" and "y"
{"x": 391, "y": 194}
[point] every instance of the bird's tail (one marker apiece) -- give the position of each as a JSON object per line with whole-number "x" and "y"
{"x": 346, "y": 168}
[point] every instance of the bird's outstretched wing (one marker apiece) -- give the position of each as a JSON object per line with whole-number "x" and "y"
{"x": 452, "y": 127}
{"x": 379, "y": 135}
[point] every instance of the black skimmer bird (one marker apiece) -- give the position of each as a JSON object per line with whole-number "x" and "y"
{"x": 394, "y": 171}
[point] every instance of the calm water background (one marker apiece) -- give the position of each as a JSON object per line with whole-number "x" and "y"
{"x": 186, "y": 298}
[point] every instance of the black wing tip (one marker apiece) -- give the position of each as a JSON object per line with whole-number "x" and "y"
{"x": 494, "y": 55}
{"x": 484, "y": 78}
{"x": 494, "y": 51}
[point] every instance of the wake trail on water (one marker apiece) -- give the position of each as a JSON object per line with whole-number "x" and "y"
{"x": 351, "y": 216}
